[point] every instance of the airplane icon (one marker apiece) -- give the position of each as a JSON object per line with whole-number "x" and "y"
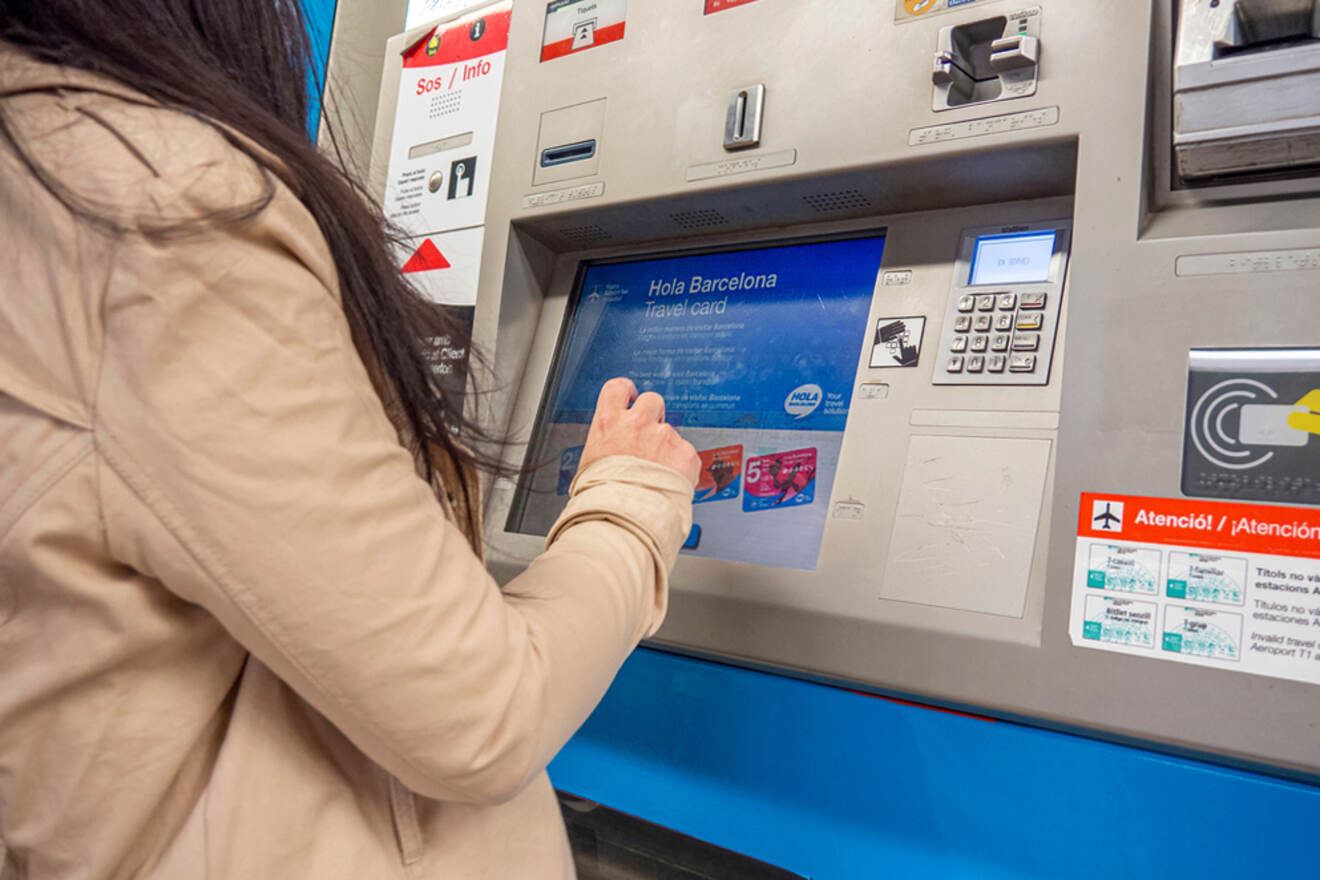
{"x": 1108, "y": 520}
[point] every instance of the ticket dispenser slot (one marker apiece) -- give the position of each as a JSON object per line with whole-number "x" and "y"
{"x": 1246, "y": 86}
{"x": 992, "y": 59}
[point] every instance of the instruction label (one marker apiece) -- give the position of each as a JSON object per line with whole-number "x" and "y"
{"x": 1233, "y": 586}
{"x": 578, "y": 25}
{"x": 444, "y": 124}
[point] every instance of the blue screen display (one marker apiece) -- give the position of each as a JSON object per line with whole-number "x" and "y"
{"x": 1016, "y": 258}
{"x": 755, "y": 352}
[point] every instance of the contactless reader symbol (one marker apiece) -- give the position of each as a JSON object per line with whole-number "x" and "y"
{"x": 1262, "y": 425}
{"x": 1251, "y": 414}
{"x": 462, "y": 177}
{"x": 1107, "y": 515}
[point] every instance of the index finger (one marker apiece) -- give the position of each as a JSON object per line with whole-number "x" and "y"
{"x": 616, "y": 394}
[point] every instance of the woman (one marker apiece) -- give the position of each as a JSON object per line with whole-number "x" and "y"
{"x": 245, "y": 631}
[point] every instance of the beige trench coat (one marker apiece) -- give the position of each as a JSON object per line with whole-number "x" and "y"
{"x": 239, "y": 637}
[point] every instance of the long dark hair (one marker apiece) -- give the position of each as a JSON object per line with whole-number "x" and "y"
{"x": 244, "y": 65}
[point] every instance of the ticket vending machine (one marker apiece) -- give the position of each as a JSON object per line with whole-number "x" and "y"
{"x": 998, "y": 337}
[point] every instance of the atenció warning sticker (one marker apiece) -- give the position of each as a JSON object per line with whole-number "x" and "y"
{"x": 1232, "y": 586}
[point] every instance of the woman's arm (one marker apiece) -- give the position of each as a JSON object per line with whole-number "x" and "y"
{"x": 248, "y": 465}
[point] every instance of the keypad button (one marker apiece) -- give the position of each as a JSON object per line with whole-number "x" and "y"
{"x": 1030, "y": 322}
{"x": 975, "y": 363}
{"x": 1007, "y": 302}
{"x": 1022, "y": 363}
{"x": 955, "y": 364}
{"x": 1033, "y": 301}
{"x": 995, "y": 363}
{"x": 982, "y": 323}
{"x": 985, "y": 302}
{"x": 1000, "y": 342}
{"x": 962, "y": 323}
{"x": 959, "y": 343}
{"x": 979, "y": 343}
{"x": 1004, "y": 322}
{"x": 1026, "y": 341}
{"x": 966, "y": 303}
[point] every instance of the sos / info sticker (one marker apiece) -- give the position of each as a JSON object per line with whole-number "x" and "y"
{"x": 444, "y": 123}
{"x": 1233, "y": 586}
{"x": 783, "y": 479}
{"x": 720, "y": 472}
{"x": 577, "y": 25}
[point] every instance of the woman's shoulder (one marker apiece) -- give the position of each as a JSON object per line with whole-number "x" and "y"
{"x": 121, "y": 154}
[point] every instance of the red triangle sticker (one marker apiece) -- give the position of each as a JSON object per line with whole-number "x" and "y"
{"x": 425, "y": 258}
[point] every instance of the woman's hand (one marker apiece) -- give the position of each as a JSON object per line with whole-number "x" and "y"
{"x": 638, "y": 430}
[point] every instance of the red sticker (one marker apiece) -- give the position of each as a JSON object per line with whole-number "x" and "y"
{"x": 426, "y": 258}
{"x": 719, "y": 5}
{"x": 461, "y": 42}
{"x": 1219, "y": 525}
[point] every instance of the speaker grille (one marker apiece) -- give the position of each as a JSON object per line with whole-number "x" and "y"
{"x": 699, "y": 219}
{"x": 589, "y": 233}
{"x": 842, "y": 200}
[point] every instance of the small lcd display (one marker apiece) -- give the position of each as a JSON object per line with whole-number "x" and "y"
{"x": 1014, "y": 258}
{"x": 755, "y": 351}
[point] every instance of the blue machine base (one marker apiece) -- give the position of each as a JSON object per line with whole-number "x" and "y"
{"x": 836, "y": 785}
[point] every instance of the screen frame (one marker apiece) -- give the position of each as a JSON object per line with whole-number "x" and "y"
{"x": 1001, "y": 236}
{"x": 522, "y": 489}
{"x": 962, "y": 270}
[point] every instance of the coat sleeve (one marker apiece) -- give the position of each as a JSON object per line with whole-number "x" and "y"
{"x": 247, "y": 463}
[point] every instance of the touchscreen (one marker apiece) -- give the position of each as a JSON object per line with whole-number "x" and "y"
{"x": 755, "y": 351}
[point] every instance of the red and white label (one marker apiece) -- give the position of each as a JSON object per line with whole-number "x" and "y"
{"x": 444, "y": 123}
{"x": 1210, "y": 583}
{"x": 720, "y": 5}
{"x": 577, "y": 25}
{"x": 1245, "y": 528}
{"x": 445, "y": 265}
{"x": 473, "y": 37}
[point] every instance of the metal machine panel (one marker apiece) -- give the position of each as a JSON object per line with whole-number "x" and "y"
{"x": 850, "y": 140}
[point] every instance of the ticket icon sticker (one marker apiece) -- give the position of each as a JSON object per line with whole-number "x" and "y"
{"x": 1119, "y": 621}
{"x": 1123, "y": 569}
{"x": 721, "y": 471}
{"x": 1202, "y": 632}
{"x": 781, "y": 479}
{"x": 1207, "y": 578}
{"x": 569, "y": 460}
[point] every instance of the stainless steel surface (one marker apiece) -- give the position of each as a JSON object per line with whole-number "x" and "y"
{"x": 1093, "y": 144}
{"x": 1246, "y": 86}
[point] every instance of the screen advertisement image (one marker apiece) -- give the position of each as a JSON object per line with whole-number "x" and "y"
{"x": 755, "y": 351}
{"x": 1015, "y": 258}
